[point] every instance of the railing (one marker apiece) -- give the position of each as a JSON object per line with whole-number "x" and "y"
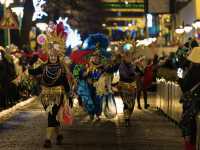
{"x": 168, "y": 96}
{"x": 167, "y": 100}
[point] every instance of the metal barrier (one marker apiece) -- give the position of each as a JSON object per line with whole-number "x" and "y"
{"x": 167, "y": 100}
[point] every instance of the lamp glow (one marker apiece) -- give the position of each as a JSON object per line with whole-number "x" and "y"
{"x": 180, "y": 30}
{"x": 197, "y": 23}
{"x": 188, "y": 28}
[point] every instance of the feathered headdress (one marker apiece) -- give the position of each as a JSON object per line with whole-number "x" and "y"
{"x": 56, "y": 39}
{"x": 95, "y": 42}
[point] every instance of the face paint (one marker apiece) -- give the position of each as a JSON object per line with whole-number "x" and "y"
{"x": 53, "y": 57}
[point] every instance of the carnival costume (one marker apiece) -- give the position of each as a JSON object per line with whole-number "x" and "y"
{"x": 88, "y": 71}
{"x": 53, "y": 79}
{"x": 127, "y": 84}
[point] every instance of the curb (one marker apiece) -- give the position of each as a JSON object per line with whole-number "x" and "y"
{"x": 14, "y": 108}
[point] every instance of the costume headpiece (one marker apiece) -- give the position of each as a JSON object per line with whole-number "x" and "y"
{"x": 56, "y": 39}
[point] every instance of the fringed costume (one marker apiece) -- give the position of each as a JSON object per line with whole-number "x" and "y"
{"x": 53, "y": 81}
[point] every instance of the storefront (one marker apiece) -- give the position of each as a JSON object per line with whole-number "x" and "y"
{"x": 124, "y": 18}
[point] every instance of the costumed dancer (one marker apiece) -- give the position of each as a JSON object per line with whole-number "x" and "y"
{"x": 95, "y": 71}
{"x": 89, "y": 72}
{"x": 54, "y": 83}
{"x": 127, "y": 85}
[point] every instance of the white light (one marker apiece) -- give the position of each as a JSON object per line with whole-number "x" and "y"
{"x": 39, "y": 13}
{"x": 129, "y": 24}
{"x": 109, "y": 49}
{"x": 73, "y": 37}
{"x": 197, "y": 23}
{"x": 103, "y": 25}
{"x": 194, "y": 25}
{"x": 42, "y": 26}
{"x": 119, "y": 105}
{"x": 19, "y": 11}
{"x": 64, "y": 21}
{"x": 6, "y": 2}
{"x": 188, "y": 29}
{"x": 126, "y": 2}
{"x": 149, "y": 20}
{"x": 145, "y": 42}
{"x": 180, "y": 30}
{"x": 180, "y": 72}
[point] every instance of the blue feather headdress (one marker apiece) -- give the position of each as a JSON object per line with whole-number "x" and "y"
{"x": 98, "y": 42}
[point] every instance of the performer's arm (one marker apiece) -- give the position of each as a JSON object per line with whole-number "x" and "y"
{"x": 36, "y": 71}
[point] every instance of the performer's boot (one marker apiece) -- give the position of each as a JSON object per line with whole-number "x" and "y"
{"x": 59, "y": 137}
{"x": 138, "y": 99}
{"x": 50, "y": 131}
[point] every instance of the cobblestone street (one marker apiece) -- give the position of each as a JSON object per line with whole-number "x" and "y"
{"x": 149, "y": 131}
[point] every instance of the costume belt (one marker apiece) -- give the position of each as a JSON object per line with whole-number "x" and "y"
{"x": 56, "y": 90}
{"x": 126, "y": 86}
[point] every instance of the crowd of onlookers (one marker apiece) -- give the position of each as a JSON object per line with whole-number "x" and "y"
{"x": 15, "y": 84}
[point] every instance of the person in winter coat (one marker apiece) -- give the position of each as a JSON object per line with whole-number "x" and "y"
{"x": 190, "y": 85}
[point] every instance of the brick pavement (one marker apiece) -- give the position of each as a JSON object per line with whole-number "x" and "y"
{"x": 149, "y": 131}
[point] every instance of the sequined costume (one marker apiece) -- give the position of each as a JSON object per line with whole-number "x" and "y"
{"x": 127, "y": 89}
{"x": 54, "y": 88}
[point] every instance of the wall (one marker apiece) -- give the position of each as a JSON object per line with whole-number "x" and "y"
{"x": 187, "y": 14}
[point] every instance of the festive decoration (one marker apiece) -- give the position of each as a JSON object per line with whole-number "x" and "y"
{"x": 74, "y": 38}
{"x": 81, "y": 57}
{"x": 39, "y": 13}
{"x": 6, "y": 2}
{"x": 41, "y": 39}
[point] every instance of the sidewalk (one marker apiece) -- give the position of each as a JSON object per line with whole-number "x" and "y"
{"x": 149, "y": 131}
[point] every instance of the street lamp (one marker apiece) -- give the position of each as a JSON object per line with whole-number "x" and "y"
{"x": 180, "y": 30}
{"x": 188, "y": 28}
{"x": 196, "y": 24}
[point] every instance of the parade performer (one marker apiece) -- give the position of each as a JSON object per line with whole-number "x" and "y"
{"x": 127, "y": 85}
{"x": 54, "y": 83}
{"x": 88, "y": 70}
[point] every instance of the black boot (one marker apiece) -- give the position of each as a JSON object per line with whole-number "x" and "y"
{"x": 47, "y": 144}
{"x": 146, "y": 106}
{"x": 59, "y": 140}
{"x": 139, "y": 107}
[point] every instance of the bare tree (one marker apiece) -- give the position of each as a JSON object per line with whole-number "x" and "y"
{"x": 26, "y": 22}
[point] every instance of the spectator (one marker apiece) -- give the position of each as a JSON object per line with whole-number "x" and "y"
{"x": 190, "y": 86}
